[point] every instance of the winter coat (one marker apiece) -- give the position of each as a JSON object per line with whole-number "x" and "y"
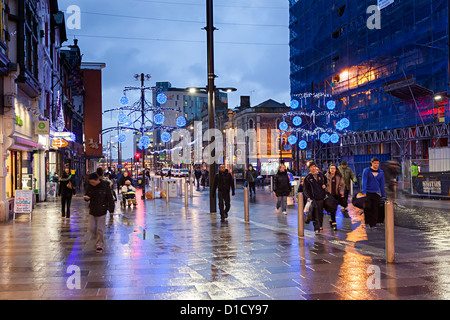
{"x": 312, "y": 188}
{"x": 340, "y": 186}
{"x": 198, "y": 173}
{"x": 282, "y": 186}
{"x": 123, "y": 179}
{"x": 64, "y": 191}
{"x": 101, "y": 199}
{"x": 251, "y": 175}
{"x": 223, "y": 181}
{"x": 347, "y": 175}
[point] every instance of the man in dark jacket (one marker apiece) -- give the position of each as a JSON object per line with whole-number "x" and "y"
{"x": 223, "y": 181}
{"x": 66, "y": 191}
{"x": 282, "y": 188}
{"x": 314, "y": 188}
{"x": 123, "y": 178}
{"x": 198, "y": 175}
{"x": 250, "y": 177}
{"x": 99, "y": 195}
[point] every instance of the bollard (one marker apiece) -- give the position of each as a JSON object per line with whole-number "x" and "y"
{"x": 351, "y": 189}
{"x": 300, "y": 217}
{"x": 389, "y": 231}
{"x": 153, "y": 189}
{"x": 191, "y": 187}
{"x": 234, "y": 178}
{"x": 246, "y": 214}
{"x": 185, "y": 194}
{"x": 167, "y": 191}
{"x": 271, "y": 183}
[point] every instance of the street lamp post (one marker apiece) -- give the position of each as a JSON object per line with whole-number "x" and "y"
{"x": 211, "y": 96}
{"x": 211, "y": 90}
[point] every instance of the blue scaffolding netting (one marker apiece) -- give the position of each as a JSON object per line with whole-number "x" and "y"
{"x": 381, "y": 78}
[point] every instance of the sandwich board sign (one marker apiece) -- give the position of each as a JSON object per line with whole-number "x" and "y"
{"x": 23, "y": 202}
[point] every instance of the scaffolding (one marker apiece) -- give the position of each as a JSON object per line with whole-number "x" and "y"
{"x": 385, "y": 81}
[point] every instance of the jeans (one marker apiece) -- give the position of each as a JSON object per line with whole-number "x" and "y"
{"x": 97, "y": 226}
{"x": 251, "y": 186}
{"x": 371, "y": 212}
{"x": 282, "y": 202}
{"x": 198, "y": 183}
{"x": 65, "y": 201}
{"x": 318, "y": 214}
{"x": 224, "y": 199}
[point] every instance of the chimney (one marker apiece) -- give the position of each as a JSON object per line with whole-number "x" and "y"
{"x": 245, "y": 101}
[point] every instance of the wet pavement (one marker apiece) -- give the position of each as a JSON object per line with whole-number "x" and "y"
{"x": 161, "y": 251}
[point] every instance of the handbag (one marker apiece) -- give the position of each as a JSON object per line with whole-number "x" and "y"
{"x": 359, "y": 201}
{"x": 330, "y": 204}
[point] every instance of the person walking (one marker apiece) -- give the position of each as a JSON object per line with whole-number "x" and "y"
{"x": 314, "y": 187}
{"x": 99, "y": 195}
{"x": 347, "y": 175}
{"x": 223, "y": 181}
{"x": 101, "y": 176}
{"x": 198, "y": 175}
{"x": 282, "y": 188}
{"x": 335, "y": 189}
{"x": 66, "y": 191}
{"x": 250, "y": 177}
{"x": 124, "y": 178}
{"x": 372, "y": 183}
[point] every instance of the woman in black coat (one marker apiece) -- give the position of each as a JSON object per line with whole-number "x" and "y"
{"x": 282, "y": 188}
{"x": 66, "y": 191}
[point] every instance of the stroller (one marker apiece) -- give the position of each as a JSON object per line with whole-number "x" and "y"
{"x": 128, "y": 195}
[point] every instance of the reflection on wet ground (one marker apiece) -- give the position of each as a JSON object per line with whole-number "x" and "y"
{"x": 167, "y": 251}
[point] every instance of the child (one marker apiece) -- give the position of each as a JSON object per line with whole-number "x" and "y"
{"x": 128, "y": 194}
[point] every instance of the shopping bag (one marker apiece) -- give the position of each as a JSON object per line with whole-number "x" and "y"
{"x": 308, "y": 212}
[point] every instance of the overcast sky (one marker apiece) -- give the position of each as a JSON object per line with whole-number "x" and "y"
{"x": 165, "y": 39}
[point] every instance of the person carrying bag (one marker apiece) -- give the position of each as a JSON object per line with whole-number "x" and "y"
{"x": 314, "y": 188}
{"x": 335, "y": 193}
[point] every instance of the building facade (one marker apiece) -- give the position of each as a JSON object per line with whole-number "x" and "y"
{"x": 392, "y": 83}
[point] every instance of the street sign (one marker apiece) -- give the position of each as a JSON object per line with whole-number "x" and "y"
{"x": 59, "y": 143}
{"x": 41, "y": 127}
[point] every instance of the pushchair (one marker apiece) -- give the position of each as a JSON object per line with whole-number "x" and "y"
{"x": 128, "y": 196}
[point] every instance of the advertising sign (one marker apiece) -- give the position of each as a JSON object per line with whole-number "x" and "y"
{"x": 23, "y": 201}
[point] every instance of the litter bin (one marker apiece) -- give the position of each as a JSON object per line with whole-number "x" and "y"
{"x": 172, "y": 186}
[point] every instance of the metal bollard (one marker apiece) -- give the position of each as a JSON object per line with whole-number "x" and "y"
{"x": 389, "y": 231}
{"x": 191, "y": 187}
{"x": 167, "y": 191}
{"x": 300, "y": 217}
{"x": 153, "y": 189}
{"x": 185, "y": 194}
{"x": 351, "y": 189}
{"x": 271, "y": 183}
{"x": 246, "y": 213}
